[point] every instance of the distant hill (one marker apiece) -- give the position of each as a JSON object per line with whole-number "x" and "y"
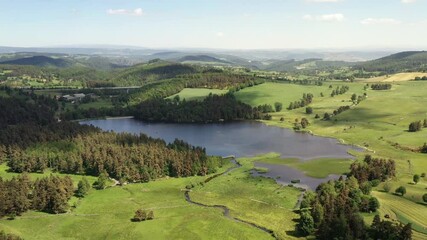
{"x": 152, "y": 71}
{"x": 203, "y": 58}
{"x": 40, "y": 61}
{"x": 306, "y": 64}
{"x": 412, "y": 61}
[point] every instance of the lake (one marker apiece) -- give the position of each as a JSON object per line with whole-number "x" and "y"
{"x": 242, "y": 139}
{"x": 236, "y": 138}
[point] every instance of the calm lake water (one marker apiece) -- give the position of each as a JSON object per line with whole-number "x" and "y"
{"x": 237, "y": 138}
{"x": 242, "y": 139}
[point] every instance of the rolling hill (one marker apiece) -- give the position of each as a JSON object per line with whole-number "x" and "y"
{"x": 39, "y": 61}
{"x": 412, "y": 61}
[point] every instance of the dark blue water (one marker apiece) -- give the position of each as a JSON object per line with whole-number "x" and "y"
{"x": 237, "y": 138}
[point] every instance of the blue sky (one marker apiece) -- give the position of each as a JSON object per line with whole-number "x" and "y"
{"x": 231, "y": 24}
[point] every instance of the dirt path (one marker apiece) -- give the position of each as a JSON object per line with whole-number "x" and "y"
{"x": 225, "y": 209}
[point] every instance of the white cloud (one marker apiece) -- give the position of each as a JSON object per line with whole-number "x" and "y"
{"x": 134, "y": 12}
{"x": 370, "y": 21}
{"x": 220, "y": 34}
{"x": 408, "y": 1}
{"x": 328, "y": 1}
{"x": 336, "y": 17}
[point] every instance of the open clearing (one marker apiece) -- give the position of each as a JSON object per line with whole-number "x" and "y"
{"x": 317, "y": 168}
{"x": 398, "y": 77}
{"x": 197, "y": 93}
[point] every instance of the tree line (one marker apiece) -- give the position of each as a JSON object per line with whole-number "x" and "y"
{"x": 339, "y": 90}
{"x": 306, "y": 99}
{"x": 127, "y": 157}
{"x": 381, "y": 86}
{"x": 213, "y": 108}
{"x": 417, "y": 126}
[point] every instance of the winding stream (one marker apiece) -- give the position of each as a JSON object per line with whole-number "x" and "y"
{"x": 225, "y": 209}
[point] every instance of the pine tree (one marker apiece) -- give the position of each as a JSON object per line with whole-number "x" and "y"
{"x": 83, "y": 188}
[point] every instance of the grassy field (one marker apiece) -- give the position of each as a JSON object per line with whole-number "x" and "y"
{"x": 317, "y": 168}
{"x": 5, "y": 174}
{"x": 403, "y": 210}
{"x": 106, "y": 214}
{"x": 258, "y": 200}
{"x": 398, "y": 77}
{"x": 269, "y": 93}
{"x": 197, "y": 93}
{"x": 377, "y": 123}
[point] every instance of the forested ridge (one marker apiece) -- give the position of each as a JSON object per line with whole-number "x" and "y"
{"x": 213, "y": 108}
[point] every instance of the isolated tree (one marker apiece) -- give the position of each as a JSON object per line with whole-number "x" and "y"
{"x": 425, "y": 197}
{"x": 354, "y": 97}
{"x": 101, "y": 182}
{"x": 326, "y": 116}
{"x": 401, "y": 190}
{"x": 416, "y": 178}
{"x": 415, "y": 126}
{"x": 304, "y": 123}
{"x": 282, "y": 119}
{"x": 278, "y": 106}
{"x": 309, "y": 110}
{"x": 424, "y": 148}
{"x": 83, "y": 188}
{"x": 374, "y": 204}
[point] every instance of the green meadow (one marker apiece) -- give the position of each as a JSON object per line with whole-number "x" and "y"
{"x": 317, "y": 168}
{"x": 106, "y": 214}
{"x": 196, "y": 93}
{"x": 257, "y": 200}
{"x": 379, "y": 124}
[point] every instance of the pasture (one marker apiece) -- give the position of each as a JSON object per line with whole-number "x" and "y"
{"x": 256, "y": 200}
{"x": 107, "y": 214}
{"x": 379, "y": 123}
{"x": 196, "y": 93}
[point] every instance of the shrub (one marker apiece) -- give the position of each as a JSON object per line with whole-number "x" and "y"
{"x": 401, "y": 190}
{"x": 416, "y": 178}
{"x": 387, "y": 187}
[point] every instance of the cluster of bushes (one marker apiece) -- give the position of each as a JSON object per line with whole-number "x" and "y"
{"x": 339, "y": 90}
{"x": 304, "y": 123}
{"x": 417, "y": 126}
{"x": 49, "y": 194}
{"x": 424, "y": 78}
{"x": 142, "y": 215}
{"x": 307, "y": 98}
{"x": 8, "y": 236}
{"x": 373, "y": 168}
{"x": 381, "y": 86}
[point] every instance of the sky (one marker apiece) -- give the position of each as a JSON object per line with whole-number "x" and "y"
{"x": 220, "y": 24}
